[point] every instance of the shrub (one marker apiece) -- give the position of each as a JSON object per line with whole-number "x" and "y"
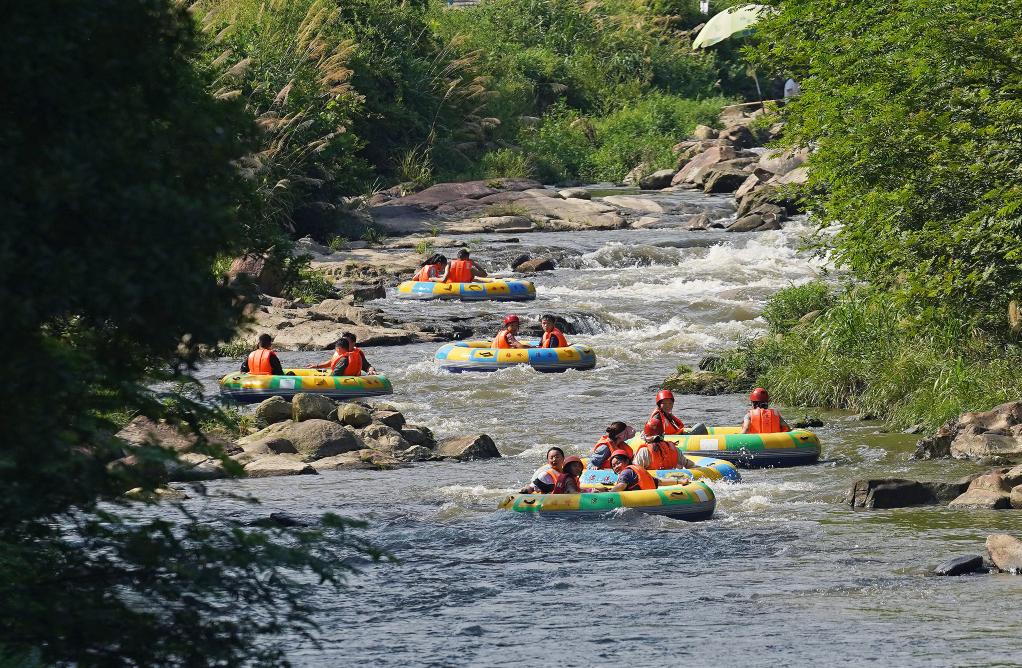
{"x": 785, "y": 308}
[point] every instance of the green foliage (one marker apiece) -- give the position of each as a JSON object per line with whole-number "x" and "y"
{"x": 506, "y": 209}
{"x": 337, "y": 243}
{"x": 424, "y": 247}
{"x": 374, "y": 235}
{"x": 121, "y": 200}
{"x": 304, "y": 283}
{"x": 785, "y": 308}
{"x": 416, "y": 167}
{"x": 507, "y": 163}
{"x": 869, "y": 354}
{"x": 913, "y": 110}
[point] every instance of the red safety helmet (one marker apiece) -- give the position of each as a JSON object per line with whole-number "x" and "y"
{"x": 758, "y": 395}
{"x": 664, "y": 394}
{"x": 652, "y": 429}
{"x": 510, "y": 319}
{"x": 571, "y": 460}
{"x": 621, "y": 453}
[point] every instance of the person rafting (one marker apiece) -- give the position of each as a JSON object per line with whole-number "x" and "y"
{"x": 548, "y": 479}
{"x": 462, "y": 270}
{"x": 506, "y": 337}
{"x": 662, "y": 414}
{"x": 263, "y": 361}
{"x": 614, "y": 439}
{"x": 432, "y": 268}
{"x": 355, "y": 350}
{"x": 655, "y": 453}
{"x": 630, "y": 477}
{"x": 761, "y": 419}
{"x": 341, "y": 349}
{"x": 552, "y": 336}
{"x": 569, "y": 480}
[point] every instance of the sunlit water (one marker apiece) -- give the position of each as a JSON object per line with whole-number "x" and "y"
{"x": 784, "y": 572}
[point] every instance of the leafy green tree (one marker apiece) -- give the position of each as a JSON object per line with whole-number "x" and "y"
{"x": 121, "y": 188}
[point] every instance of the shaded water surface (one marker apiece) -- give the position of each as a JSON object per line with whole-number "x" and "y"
{"x": 785, "y": 572}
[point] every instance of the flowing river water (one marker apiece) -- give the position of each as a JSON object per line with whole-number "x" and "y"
{"x": 784, "y": 572}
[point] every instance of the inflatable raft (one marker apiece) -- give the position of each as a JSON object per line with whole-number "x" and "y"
{"x": 706, "y": 468}
{"x": 479, "y": 356}
{"x": 495, "y": 290}
{"x": 694, "y": 501}
{"x": 249, "y": 389}
{"x": 790, "y": 448}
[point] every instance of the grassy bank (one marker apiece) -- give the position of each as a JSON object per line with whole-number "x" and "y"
{"x": 860, "y": 350}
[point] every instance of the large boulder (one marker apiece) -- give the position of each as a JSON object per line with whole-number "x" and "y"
{"x": 258, "y": 270}
{"x": 354, "y": 415}
{"x": 306, "y": 406}
{"x": 192, "y": 466}
{"x": 898, "y": 493}
{"x": 738, "y": 136}
{"x": 636, "y": 173}
{"x": 749, "y": 223}
{"x": 272, "y": 445}
{"x": 992, "y": 482}
{"x": 383, "y": 438}
{"x": 964, "y": 565}
{"x": 981, "y": 499}
{"x": 997, "y": 432}
{"x": 276, "y": 465}
{"x": 707, "y": 158}
{"x": 703, "y": 132}
{"x": 782, "y": 162}
{"x": 464, "y": 448}
{"x": 751, "y": 182}
{"x": 1005, "y": 552}
{"x": 272, "y": 411}
{"x": 415, "y": 453}
{"x": 315, "y": 439}
{"x": 1015, "y": 497}
{"x": 361, "y": 459}
{"x": 575, "y": 193}
{"x": 657, "y": 180}
{"x": 536, "y": 264}
{"x": 724, "y": 180}
{"x": 418, "y": 435}
{"x": 393, "y": 419}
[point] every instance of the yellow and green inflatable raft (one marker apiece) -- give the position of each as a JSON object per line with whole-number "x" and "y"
{"x": 479, "y": 356}
{"x": 495, "y": 290}
{"x": 694, "y": 501}
{"x": 248, "y": 388}
{"x": 790, "y": 448}
{"x": 704, "y": 468}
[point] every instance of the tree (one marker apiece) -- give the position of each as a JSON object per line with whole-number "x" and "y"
{"x": 121, "y": 188}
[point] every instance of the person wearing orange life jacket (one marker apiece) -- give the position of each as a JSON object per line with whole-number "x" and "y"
{"x": 345, "y": 362}
{"x": 340, "y": 352}
{"x": 356, "y": 351}
{"x": 550, "y": 476}
{"x": 506, "y": 337}
{"x": 552, "y": 336}
{"x": 662, "y": 413}
{"x": 630, "y": 477}
{"x": 568, "y": 482}
{"x": 761, "y": 419}
{"x": 614, "y": 439}
{"x": 263, "y": 361}
{"x": 432, "y": 268}
{"x": 655, "y": 453}
{"x": 462, "y": 270}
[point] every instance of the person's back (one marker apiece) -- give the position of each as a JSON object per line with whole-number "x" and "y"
{"x": 460, "y": 271}
{"x": 263, "y": 361}
{"x": 761, "y": 419}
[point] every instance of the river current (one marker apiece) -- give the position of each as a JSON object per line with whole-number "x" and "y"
{"x": 785, "y": 572}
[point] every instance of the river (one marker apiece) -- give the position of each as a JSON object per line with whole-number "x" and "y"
{"x": 785, "y": 572}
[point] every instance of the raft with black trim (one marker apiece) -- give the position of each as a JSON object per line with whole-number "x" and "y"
{"x": 706, "y": 469}
{"x": 480, "y": 356}
{"x": 501, "y": 290}
{"x": 248, "y": 388}
{"x": 694, "y": 501}
{"x": 789, "y": 448}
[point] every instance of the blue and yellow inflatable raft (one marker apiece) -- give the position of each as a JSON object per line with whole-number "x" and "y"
{"x": 495, "y": 290}
{"x": 249, "y": 388}
{"x": 790, "y": 448}
{"x": 706, "y": 469}
{"x": 479, "y": 356}
{"x": 694, "y": 501}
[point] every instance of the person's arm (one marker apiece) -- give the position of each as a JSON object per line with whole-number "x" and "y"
{"x": 746, "y": 424}
{"x": 784, "y": 425}
{"x": 443, "y": 276}
{"x": 244, "y": 365}
{"x": 275, "y": 366}
{"x": 370, "y": 369}
{"x": 477, "y": 271}
{"x": 599, "y": 457}
{"x": 625, "y": 479}
{"x": 514, "y": 342}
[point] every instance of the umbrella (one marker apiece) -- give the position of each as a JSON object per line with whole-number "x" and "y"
{"x": 730, "y": 22}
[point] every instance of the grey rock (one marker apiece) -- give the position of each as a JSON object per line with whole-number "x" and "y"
{"x": 636, "y": 173}
{"x": 1013, "y": 476}
{"x": 277, "y": 465}
{"x": 699, "y": 221}
{"x": 193, "y": 466}
{"x": 315, "y": 439}
{"x": 574, "y": 193}
{"x": 464, "y": 448}
{"x": 393, "y": 419}
{"x": 981, "y": 499}
{"x": 365, "y": 459}
{"x": 1005, "y": 552}
{"x": 415, "y": 453}
{"x": 273, "y": 410}
{"x": 898, "y": 493}
{"x": 748, "y": 223}
{"x": 657, "y": 180}
{"x": 964, "y": 565}
{"x": 272, "y": 445}
{"x": 1015, "y": 497}
{"x": 739, "y": 136}
{"x": 383, "y": 438}
{"x": 354, "y": 415}
{"x": 306, "y": 406}
{"x": 997, "y": 432}
{"x": 750, "y": 183}
{"x": 992, "y": 482}
{"x": 707, "y": 158}
{"x": 418, "y": 435}
{"x": 703, "y": 132}
{"x": 725, "y": 180}
{"x": 537, "y": 264}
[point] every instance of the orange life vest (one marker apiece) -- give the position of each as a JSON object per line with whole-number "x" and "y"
{"x": 662, "y": 455}
{"x": 561, "y": 483}
{"x": 500, "y": 341}
{"x": 259, "y": 362}
{"x": 549, "y": 335}
{"x": 672, "y": 425}
{"x": 556, "y": 477}
{"x": 765, "y": 421}
{"x": 605, "y": 440}
{"x": 427, "y": 272}
{"x": 646, "y": 481}
{"x": 459, "y": 271}
{"x": 354, "y": 367}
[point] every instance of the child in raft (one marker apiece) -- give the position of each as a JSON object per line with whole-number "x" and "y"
{"x": 761, "y": 419}
{"x": 655, "y": 453}
{"x": 462, "y": 270}
{"x": 614, "y": 439}
{"x": 552, "y": 336}
{"x": 559, "y": 477}
{"x": 432, "y": 269}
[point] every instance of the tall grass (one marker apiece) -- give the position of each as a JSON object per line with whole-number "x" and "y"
{"x": 869, "y": 354}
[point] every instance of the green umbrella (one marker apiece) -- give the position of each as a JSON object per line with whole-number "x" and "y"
{"x": 734, "y": 21}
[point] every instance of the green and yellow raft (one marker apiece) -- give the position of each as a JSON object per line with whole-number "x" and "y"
{"x": 693, "y": 501}
{"x": 489, "y": 289}
{"x": 790, "y": 448}
{"x": 249, "y": 388}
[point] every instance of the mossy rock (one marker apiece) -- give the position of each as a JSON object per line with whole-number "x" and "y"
{"x": 702, "y": 382}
